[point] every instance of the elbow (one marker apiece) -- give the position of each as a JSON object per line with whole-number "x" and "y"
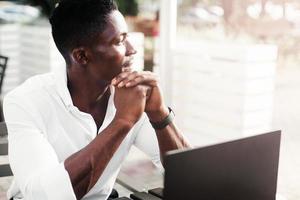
{"x": 53, "y": 183}
{"x": 33, "y": 189}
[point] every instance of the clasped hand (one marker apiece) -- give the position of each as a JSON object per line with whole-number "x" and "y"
{"x": 138, "y": 92}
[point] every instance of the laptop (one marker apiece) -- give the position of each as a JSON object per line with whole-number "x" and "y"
{"x": 244, "y": 169}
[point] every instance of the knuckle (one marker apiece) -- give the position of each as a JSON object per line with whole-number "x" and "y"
{"x": 140, "y": 90}
{"x": 123, "y": 75}
{"x": 135, "y": 79}
{"x": 143, "y": 76}
{"x": 119, "y": 77}
{"x": 135, "y": 72}
{"x": 132, "y": 77}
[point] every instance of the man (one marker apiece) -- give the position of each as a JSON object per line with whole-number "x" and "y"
{"x": 70, "y": 130}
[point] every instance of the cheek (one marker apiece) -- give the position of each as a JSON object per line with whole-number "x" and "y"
{"x": 117, "y": 55}
{"x": 115, "y": 60}
{"x": 109, "y": 61}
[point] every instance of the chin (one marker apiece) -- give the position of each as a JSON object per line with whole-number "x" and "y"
{"x": 129, "y": 68}
{"x": 115, "y": 73}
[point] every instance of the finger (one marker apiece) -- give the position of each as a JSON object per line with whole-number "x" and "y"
{"x": 147, "y": 79}
{"x": 126, "y": 69}
{"x": 115, "y": 81}
{"x": 129, "y": 78}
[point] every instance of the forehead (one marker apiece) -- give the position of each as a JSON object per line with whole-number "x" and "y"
{"x": 116, "y": 26}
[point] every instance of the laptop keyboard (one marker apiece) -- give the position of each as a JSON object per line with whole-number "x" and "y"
{"x": 143, "y": 196}
{"x": 158, "y": 192}
{"x": 154, "y": 194}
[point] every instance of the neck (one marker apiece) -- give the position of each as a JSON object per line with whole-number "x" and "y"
{"x": 85, "y": 92}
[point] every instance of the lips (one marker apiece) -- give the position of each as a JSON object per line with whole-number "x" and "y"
{"x": 128, "y": 63}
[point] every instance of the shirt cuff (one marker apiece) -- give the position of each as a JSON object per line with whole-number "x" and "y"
{"x": 57, "y": 184}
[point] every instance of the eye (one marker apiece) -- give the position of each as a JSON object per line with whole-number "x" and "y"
{"x": 121, "y": 40}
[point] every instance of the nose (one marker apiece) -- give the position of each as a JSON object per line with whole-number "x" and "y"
{"x": 130, "y": 50}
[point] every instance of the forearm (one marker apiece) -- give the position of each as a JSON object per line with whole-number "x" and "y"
{"x": 170, "y": 137}
{"x": 86, "y": 166}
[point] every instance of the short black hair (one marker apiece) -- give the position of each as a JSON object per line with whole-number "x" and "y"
{"x": 78, "y": 22}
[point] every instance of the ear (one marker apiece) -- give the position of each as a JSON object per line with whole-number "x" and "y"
{"x": 80, "y": 56}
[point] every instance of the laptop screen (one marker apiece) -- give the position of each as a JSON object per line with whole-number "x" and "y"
{"x": 244, "y": 169}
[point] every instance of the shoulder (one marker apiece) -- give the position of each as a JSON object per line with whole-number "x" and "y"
{"x": 31, "y": 86}
{"x": 30, "y": 103}
{"x": 33, "y": 89}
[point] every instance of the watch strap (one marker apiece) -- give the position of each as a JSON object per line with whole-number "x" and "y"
{"x": 165, "y": 122}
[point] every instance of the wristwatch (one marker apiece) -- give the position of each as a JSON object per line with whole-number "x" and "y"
{"x": 165, "y": 122}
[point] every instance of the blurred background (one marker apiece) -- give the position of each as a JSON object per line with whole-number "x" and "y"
{"x": 229, "y": 68}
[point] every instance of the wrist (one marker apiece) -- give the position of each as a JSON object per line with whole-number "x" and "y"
{"x": 159, "y": 125}
{"x": 158, "y": 115}
{"x": 125, "y": 123}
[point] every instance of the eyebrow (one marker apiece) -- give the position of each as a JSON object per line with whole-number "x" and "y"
{"x": 125, "y": 34}
{"x": 120, "y": 35}
{"x": 113, "y": 39}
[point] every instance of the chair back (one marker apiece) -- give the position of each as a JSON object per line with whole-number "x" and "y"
{"x": 4, "y": 168}
{"x": 3, "y": 64}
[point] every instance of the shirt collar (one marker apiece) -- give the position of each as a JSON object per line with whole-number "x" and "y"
{"x": 61, "y": 82}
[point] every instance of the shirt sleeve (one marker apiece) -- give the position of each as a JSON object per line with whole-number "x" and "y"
{"x": 36, "y": 169}
{"x": 146, "y": 141}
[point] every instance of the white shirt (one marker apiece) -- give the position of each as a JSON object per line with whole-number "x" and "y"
{"x": 45, "y": 128}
